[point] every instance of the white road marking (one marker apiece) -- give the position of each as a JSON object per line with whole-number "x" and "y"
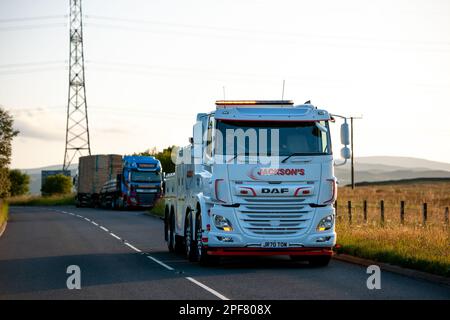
{"x": 115, "y": 236}
{"x": 79, "y": 216}
{"x": 132, "y": 247}
{"x": 104, "y": 229}
{"x": 161, "y": 263}
{"x": 87, "y": 219}
{"x": 214, "y": 292}
{"x": 94, "y": 223}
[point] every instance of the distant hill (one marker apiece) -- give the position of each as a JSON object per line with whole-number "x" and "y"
{"x": 404, "y": 162}
{"x": 404, "y": 181}
{"x": 383, "y": 168}
{"x": 367, "y": 169}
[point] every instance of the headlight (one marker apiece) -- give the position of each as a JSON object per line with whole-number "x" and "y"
{"x": 222, "y": 223}
{"x": 326, "y": 223}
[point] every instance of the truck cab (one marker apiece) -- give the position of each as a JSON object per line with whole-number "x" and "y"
{"x": 140, "y": 182}
{"x": 257, "y": 179}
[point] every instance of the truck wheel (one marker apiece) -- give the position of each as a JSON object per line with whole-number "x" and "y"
{"x": 202, "y": 255}
{"x": 319, "y": 261}
{"x": 190, "y": 247}
{"x": 172, "y": 237}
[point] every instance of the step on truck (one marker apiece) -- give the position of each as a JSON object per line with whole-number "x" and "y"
{"x": 113, "y": 181}
{"x": 257, "y": 179}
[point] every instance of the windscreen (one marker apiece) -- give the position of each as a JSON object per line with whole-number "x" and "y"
{"x": 264, "y": 138}
{"x": 143, "y": 176}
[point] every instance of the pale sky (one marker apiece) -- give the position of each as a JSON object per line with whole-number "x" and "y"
{"x": 152, "y": 65}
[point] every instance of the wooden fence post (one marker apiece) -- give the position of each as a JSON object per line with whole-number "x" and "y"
{"x": 365, "y": 211}
{"x": 446, "y": 216}
{"x": 350, "y": 212}
{"x": 402, "y": 212}
{"x": 425, "y": 213}
{"x": 382, "y": 212}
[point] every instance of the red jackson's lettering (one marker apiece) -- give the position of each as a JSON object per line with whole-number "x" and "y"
{"x": 280, "y": 172}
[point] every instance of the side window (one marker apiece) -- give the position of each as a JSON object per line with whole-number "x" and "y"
{"x": 209, "y": 142}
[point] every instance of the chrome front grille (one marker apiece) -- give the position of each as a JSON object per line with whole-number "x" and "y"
{"x": 275, "y": 218}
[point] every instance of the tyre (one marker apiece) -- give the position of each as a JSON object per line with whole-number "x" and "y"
{"x": 319, "y": 261}
{"x": 202, "y": 255}
{"x": 190, "y": 247}
{"x": 171, "y": 234}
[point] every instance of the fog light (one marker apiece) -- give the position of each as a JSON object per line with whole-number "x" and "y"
{"x": 323, "y": 239}
{"x": 326, "y": 223}
{"x": 225, "y": 239}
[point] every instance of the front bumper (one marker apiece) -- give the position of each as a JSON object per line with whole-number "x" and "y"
{"x": 230, "y": 251}
{"x": 308, "y": 240}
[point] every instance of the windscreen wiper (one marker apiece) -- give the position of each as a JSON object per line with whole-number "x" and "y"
{"x": 242, "y": 154}
{"x": 299, "y": 154}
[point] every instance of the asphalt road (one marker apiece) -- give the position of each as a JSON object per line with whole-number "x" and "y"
{"x": 122, "y": 255}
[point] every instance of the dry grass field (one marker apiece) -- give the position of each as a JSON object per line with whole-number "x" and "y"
{"x": 413, "y": 244}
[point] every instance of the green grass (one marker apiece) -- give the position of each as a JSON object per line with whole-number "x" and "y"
{"x": 55, "y": 200}
{"x": 424, "y": 249}
{"x": 3, "y": 213}
{"x": 158, "y": 209}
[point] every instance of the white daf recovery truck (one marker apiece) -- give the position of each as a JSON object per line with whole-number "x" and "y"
{"x": 256, "y": 179}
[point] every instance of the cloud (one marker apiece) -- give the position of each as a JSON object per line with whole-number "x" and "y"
{"x": 37, "y": 131}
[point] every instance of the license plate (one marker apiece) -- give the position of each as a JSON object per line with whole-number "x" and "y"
{"x": 275, "y": 244}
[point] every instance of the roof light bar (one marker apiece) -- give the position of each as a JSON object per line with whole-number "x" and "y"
{"x": 254, "y": 102}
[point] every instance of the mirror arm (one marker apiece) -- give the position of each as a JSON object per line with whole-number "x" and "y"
{"x": 337, "y": 164}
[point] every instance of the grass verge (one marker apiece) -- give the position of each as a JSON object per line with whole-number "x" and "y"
{"x": 55, "y": 200}
{"x": 424, "y": 249}
{"x": 3, "y": 213}
{"x": 158, "y": 209}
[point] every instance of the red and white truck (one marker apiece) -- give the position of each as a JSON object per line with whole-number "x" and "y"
{"x": 256, "y": 179}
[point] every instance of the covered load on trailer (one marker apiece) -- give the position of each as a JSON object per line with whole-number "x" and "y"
{"x": 93, "y": 172}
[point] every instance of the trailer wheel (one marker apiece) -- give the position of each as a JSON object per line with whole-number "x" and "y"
{"x": 319, "y": 261}
{"x": 190, "y": 247}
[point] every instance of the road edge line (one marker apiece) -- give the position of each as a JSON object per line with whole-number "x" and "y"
{"x": 411, "y": 273}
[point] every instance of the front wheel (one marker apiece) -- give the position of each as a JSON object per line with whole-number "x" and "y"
{"x": 202, "y": 255}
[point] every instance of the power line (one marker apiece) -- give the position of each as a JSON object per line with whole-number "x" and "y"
{"x": 31, "y": 64}
{"x": 258, "y": 31}
{"x": 35, "y": 18}
{"x": 33, "y": 27}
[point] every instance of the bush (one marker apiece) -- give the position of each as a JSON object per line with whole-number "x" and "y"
{"x": 163, "y": 156}
{"x": 57, "y": 184}
{"x": 20, "y": 183}
{"x": 7, "y": 133}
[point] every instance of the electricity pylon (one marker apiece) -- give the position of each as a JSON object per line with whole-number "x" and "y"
{"x": 77, "y": 129}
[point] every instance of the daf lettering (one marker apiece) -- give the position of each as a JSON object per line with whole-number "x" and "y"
{"x": 275, "y": 190}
